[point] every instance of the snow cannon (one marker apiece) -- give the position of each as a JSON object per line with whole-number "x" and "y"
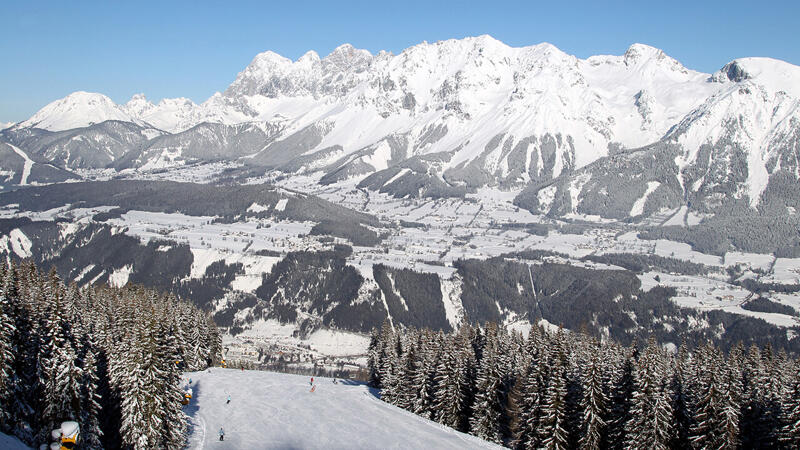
{"x": 66, "y": 437}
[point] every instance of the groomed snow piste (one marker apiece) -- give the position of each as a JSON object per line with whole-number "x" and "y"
{"x": 273, "y": 410}
{"x": 11, "y": 443}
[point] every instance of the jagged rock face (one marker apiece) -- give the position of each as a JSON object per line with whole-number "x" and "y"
{"x": 272, "y": 75}
{"x": 737, "y": 151}
{"x": 446, "y": 118}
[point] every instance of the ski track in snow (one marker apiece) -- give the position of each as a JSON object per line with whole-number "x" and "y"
{"x": 273, "y": 410}
{"x": 26, "y": 170}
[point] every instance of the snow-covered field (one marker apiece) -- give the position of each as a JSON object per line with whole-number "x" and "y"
{"x": 427, "y": 235}
{"x": 324, "y": 348}
{"x": 278, "y": 411}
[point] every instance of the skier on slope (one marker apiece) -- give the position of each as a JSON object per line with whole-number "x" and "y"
{"x": 229, "y": 400}
{"x": 221, "y": 434}
{"x": 312, "y": 381}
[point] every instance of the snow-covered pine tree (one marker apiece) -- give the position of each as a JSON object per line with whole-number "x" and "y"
{"x": 621, "y": 400}
{"x": 373, "y": 362}
{"x": 91, "y": 433}
{"x": 142, "y": 406}
{"x": 732, "y": 379}
{"x": 214, "y": 341}
{"x": 531, "y": 404}
{"x": 594, "y": 404}
{"x": 386, "y": 353}
{"x": 61, "y": 341}
{"x": 405, "y": 387}
{"x": 680, "y": 390}
{"x": 709, "y": 428}
{"x": 23, "y": 377}
{"x": 779, "y": 375}
{"x": 552, "y": 431}
{"x": 136, "y": 409}
{"x": 449, "y": 400}
{"x": 61, "y": 373}
{"x": 650, "y": 424}
{"x": 6, "y": 362}
{"x": 426, "y": 374}
{"x": 488, "y": 408}
{"x": 790, "y": 432}
{"x": 469, "y": 364}
{"x": 757, "y": 426}
{"x": 68, "y": 384}
{"x": 390, "y": 377}
{"x": 173, "y": 434}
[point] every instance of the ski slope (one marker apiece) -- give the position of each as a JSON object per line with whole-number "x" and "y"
{"x": 278, "y": 411}
{"x": 11, "y": 443}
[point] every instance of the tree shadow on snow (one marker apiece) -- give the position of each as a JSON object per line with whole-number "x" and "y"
{"x": 192, "y": 408}
{"x": 375, "y": 392}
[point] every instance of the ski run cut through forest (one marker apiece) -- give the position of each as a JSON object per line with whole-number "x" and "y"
{"x": 280, "y": 411}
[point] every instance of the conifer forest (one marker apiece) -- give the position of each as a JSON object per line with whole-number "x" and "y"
{"x": 566, "y": 390}
{"x": 109, "y": 359}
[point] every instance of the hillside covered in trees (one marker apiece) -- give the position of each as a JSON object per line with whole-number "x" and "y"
{"x": 109, "y": 359}
{"x": 563, "y": 390}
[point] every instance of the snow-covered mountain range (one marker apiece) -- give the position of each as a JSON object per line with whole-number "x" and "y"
{"x": 444, "y": 118}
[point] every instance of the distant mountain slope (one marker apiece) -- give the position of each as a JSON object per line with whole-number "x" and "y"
{"x": 635, "y": 137}
{"x": 272, "y": 410}
{"x": 94, "y": 146}
{"x": 18, "y": 168}
{"x": 77, "y": 110}
{"x": 442, "y": 119}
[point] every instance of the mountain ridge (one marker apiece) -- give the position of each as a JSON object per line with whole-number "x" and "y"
{"x": 445, "y": 118}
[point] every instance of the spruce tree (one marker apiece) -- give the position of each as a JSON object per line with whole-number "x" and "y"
{"x": 594, "y": 405}
{"x": 650, "y": 422}
{"x": 680, "y": 389}
{"x": 790, "y": 432}
{"x": 6, "y": 362}
{"x": 621, "y": 400}
{"x": 488, "y": 407}
{"x": 173, "y": 434}
{"x": 373, "y": 359}
{"x": 553, "y": 432}
{"x": 449, "y": 401}
{"x": 532, "y": 391}
{"x": 90, "y": 411}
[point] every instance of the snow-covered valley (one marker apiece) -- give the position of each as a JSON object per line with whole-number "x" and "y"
{"x": 313, "y": 199}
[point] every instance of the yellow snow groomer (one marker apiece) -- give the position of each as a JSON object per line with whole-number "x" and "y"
{"x": 66, "y": 437}
{"x": 187, "y": 397}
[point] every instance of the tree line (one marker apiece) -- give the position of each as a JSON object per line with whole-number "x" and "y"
{"x": 107, "y": 358}
{"x": 564, "y": 390}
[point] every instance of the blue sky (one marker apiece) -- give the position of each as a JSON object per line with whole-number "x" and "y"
{"x": 193, "y": 49}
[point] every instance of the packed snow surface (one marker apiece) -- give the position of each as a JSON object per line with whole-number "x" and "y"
{"x": 11, "y": 443}
{"x": 271, "y": 410}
